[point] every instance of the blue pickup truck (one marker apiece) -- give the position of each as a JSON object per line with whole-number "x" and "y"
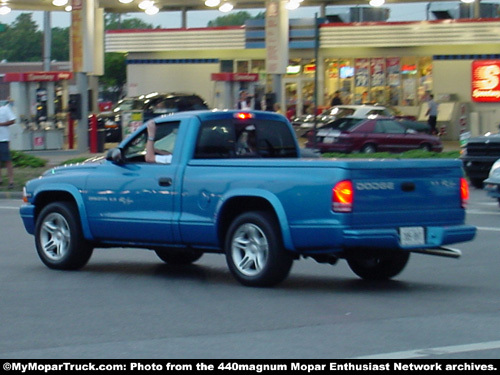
{"x": 236, "y": 184}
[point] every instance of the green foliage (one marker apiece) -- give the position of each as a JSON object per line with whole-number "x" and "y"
{"x": 23, "y": 160}
{"x": 21, "y": 41}
{"x": 413, "y": 154}
{"x": 60, "y": 44}
{"x": 234, "y": 19}
{"x": 117, "y": 21}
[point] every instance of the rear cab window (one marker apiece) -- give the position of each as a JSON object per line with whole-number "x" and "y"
{"x": 249, "y": 138}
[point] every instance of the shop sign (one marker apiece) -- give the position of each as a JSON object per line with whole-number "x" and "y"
{"x": 235, "y": 77}
{"x": 486, "y": 81}
{"x": 37, "y": 76}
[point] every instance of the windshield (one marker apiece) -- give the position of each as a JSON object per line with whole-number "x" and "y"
{"x": 342, "y": 124}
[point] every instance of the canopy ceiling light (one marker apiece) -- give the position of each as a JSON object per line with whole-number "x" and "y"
{"x": 293, "y": 4}
{"x": 145, "y": 4}
{"x": 60, "y": 3}
{"x": 126, "y": 1}
{"x": 226, "y": 7}
{"x": 377, "y": 3}
{"x": 212, "y": 3}
{"x": 152, "y": 10}
{"x": 467, "y": 1}
{"x": 4, "y": 9}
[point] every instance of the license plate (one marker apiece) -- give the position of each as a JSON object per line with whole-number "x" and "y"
{"x": 412, "y": 236}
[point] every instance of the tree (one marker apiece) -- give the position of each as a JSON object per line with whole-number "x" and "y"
{"x": 60, "y": 44}
{"x": 234, "y": 19}
{"x": 115, "y": 21}
{"x": 21, "y": 41}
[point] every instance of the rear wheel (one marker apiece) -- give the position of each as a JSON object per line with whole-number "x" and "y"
{"x": 369, "y": 149}
{"x": 378, "y": 265}
{"x": 254, "y": 250}
{"x": 178, "y": 256}
{"x": 58, "y": 237}
{"x": 426, "y": 147}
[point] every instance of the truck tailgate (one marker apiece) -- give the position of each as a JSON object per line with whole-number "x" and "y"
{"x": 406, "y": 193}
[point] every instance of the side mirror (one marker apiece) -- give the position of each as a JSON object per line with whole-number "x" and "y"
{"x": 115, "y": 155}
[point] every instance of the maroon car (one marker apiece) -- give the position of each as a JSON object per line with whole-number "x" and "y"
{"x": 368, "y": 135}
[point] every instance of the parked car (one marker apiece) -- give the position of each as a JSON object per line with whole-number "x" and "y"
{"x": 151, "y": 105}
{"x": 368, "y": 135}
{"x": 305, "y": 122}
{"x": 419, "y": 127}
{"x": 492, "y": 183}
{"x": 478, "y": 157}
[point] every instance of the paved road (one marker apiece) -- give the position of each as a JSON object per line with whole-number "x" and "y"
{"x": 127, "y": 304}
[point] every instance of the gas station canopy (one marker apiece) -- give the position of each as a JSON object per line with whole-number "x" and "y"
{"x": 115, "y": 6}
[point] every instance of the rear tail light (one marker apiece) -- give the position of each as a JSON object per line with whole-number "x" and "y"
{"x": 342, "y": 196}
{"x": 464, "y": 192}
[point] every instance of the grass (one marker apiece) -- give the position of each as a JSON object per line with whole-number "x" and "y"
{"x": 27, "y": 167}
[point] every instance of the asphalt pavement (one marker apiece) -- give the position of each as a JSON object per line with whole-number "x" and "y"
{"x": 56, "y": 157}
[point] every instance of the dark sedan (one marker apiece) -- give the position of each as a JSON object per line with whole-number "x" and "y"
{"x": 369, "y": 135}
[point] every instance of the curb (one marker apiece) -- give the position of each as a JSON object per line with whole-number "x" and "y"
{"x": 11, "y": 195}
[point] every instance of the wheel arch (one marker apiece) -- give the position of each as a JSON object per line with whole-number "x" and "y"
{"x": 49, "y": 195}
{"x": 241, "y": 202}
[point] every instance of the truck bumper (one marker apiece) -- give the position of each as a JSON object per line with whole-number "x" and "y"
{"x": 28, "y": 217}
{"x": 390, "y": 239}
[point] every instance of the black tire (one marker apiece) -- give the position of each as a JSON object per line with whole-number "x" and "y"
{"x": 369, "y": 148}
{"x": 58, "y": 237}
{"x": 378, "y": 265}
{"x": 254, "y": 250}
{"x": 178, "y": 256}
{"x": 426, "y": 147}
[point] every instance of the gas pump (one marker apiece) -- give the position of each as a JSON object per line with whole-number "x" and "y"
{"x": 38, "y": 98}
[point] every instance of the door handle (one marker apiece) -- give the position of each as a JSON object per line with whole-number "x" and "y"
{"x": 165, "y": 181}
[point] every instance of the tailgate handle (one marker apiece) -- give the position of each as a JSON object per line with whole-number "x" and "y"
{"x": 408, "y": 186}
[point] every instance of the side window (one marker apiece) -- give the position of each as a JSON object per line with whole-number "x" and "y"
{"x": 393, "y": 127}
{"x": 215, "y": 141}
{"x": 166, "y": 135}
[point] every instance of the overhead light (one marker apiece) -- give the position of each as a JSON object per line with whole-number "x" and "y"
{"x": 68, "y": 8}
{"x": 126, "y": 1}
{"x": 152, "y": 10}
{"x": 377, "y": 3}
{"x": 292, "y": 4}
{"x": 59, "y": 3}
{"x": 145, "y": 4}
{"x": 467, "y": 1}
{"x": 226, "y": 7}
{"x": 4, "y": 9}
{"x": 212, "y": 3}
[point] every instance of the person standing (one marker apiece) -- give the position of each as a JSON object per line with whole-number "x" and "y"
{"x": 432, "y": 112}
{"x": 7, "y": 118}
{"x": 243, "y": 102}
{"x": 336, "y": 100}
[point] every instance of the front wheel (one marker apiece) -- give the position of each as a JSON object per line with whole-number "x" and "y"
{"x": 378, "y": 265}
{"x": 58, "y": 237}
{"x": 369, "y": 149}
{"x": 254, "y": 250}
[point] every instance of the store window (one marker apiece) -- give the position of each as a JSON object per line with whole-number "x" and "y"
{"x": 403, "y": 81}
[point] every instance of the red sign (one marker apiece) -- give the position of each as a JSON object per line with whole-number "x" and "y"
{"x": 37, "y": 76}
{"x": 486, "y": 81}
{"x": 235, "y": 77}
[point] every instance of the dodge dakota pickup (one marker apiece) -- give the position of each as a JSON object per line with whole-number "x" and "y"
{"x": 236, "y": 184}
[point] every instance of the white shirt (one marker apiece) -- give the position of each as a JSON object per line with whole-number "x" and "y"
{"x": 6, "y": 115}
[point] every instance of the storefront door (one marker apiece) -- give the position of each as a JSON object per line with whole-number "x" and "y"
{"x": 298, "y": 96}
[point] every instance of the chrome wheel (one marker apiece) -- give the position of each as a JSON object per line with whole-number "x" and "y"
{"x": 249, "y": 249}
{"x": 254, "y": 250}
{"x": 55, "y": 236}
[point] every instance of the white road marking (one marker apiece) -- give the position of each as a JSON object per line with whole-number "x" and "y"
{"x": 443, "y": 350}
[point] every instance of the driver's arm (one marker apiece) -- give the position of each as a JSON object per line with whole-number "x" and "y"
{"x": 150, "y": 143}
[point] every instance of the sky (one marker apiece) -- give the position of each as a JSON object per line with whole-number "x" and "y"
{"x": 398, "y": 12}
{"x": 408, "y": 12}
